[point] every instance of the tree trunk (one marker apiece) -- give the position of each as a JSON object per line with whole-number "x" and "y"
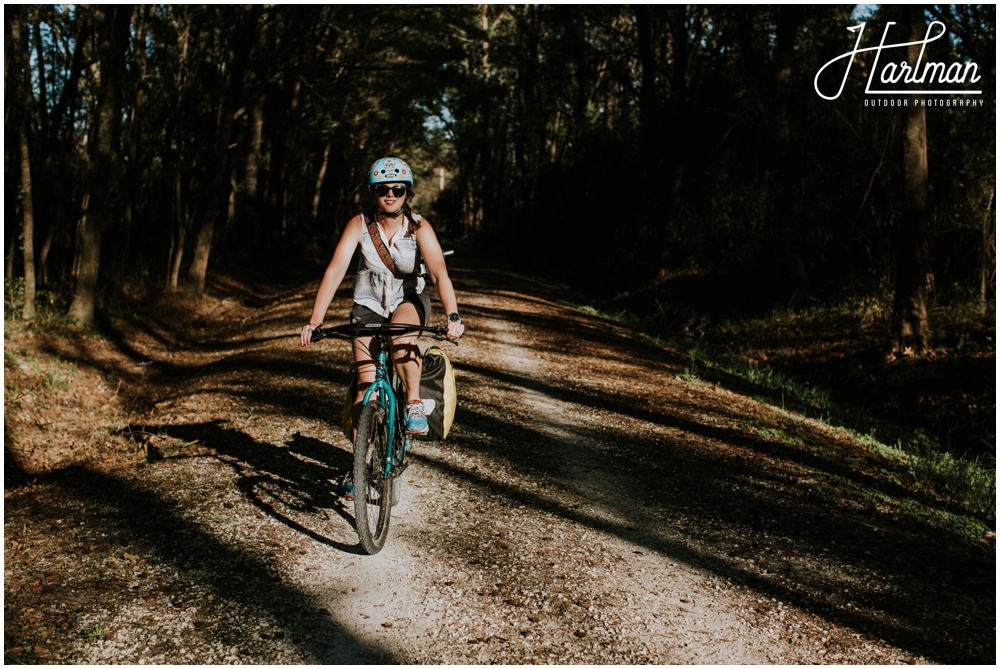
{"x": 911, "y": 330}
{"x": 132, "y": 175}
{"x": 43, "y": 254}
{"x": 320, "y": 179}
{"x": 180, "y": 219}
{"x": 217, "y": 187}
{"x": 987, "y": 254}
{"x": 115, "y": 21}
{"x": 248, "y": 206}
{"x": 43, "y": 94}
{"x": 181, "y": 224}
{"x": 28, "y": 311}
{"x": 58, "y": 208}
{"x": 18, "y": 40}
{"x": 9, "y": 269}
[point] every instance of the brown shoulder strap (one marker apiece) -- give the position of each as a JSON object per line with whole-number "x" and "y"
{"x": 382, "y": 251}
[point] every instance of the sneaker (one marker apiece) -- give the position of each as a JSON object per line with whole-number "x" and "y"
{"x": 346, "y": 490}
{"x": 416, "y": 421}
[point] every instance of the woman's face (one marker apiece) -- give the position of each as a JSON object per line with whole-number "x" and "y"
{"x": 391, "y": 196}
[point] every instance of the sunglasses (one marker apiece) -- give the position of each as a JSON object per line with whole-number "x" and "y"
{"x": 382, "y": 190}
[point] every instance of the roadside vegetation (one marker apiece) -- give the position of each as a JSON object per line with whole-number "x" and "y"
{"x": 68, "y": 392}
{"x": 930, "y": 419}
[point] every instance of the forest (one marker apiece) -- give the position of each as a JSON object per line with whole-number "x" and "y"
{"x": 662, "y": 161}
{"x": 727, "y": 393}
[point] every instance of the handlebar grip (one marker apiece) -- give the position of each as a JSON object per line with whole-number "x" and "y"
{"x": 317, "y": 334}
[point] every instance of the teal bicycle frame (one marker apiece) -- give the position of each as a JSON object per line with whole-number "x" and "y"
{"x": 381, "y": 389}
{"x": 375, "y": 492}
{"x": 387, "y": 398}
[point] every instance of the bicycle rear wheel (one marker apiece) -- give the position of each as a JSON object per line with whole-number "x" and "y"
{"x": 372, "y": 489}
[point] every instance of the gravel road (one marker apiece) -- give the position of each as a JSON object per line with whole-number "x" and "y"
{"x": 592, "y": 506}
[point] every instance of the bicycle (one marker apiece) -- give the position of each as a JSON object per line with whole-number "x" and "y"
{"x": 381, "y": 442}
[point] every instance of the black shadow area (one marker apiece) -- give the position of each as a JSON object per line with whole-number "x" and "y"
{"x": 237, "y": 576}
{"x": 294, "y": 484}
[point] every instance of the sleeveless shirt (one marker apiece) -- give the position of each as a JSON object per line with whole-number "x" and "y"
{"x": 375, "y": 286}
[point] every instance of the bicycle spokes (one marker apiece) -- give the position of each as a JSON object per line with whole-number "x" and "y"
{"x": 373, "y": 489}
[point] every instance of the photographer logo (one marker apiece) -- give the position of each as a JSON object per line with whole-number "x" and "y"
{"x": 890, "y": 73}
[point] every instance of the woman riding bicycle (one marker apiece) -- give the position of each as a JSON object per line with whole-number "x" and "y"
{"x": 389, "y": 286}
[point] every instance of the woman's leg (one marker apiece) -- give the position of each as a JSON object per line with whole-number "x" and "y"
{"x": 406, "y": 353}
{"x": 366, "y": 376}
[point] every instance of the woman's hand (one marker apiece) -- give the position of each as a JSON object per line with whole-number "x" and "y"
{"x": 455, "y": 330}
{"x": 306, "y": 336}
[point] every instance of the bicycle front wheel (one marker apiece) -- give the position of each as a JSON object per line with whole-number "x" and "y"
{"x": 372, "y": 488}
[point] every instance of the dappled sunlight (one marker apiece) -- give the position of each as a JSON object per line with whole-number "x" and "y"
{"x": 589, "y": 474}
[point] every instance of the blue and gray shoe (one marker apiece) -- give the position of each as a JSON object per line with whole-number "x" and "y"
{"x": 346, "y": 490}
{"x": 416, "y": 421}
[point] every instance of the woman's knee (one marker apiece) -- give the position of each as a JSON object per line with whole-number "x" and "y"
{"x": 405, "y": 349}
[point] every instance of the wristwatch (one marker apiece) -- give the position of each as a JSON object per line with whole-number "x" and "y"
{"x": 454, "y": 317}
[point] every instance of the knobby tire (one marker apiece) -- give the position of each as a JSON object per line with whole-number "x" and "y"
{"x": 372, "y": 490}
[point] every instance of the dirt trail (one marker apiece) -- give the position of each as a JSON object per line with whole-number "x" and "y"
{"x": 591, "y": 507}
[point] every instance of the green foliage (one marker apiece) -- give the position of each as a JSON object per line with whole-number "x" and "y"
{"x": 689, "y": 376}
{"x": 96, "y": 631}
{"x": 13, "y": 297}
{"x": 965, "y": 481}
{"x": 957, "y": 478}
{"x": 50, "y": 307}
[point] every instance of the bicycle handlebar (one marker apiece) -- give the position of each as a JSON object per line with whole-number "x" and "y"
{"x": 349, "y": 331}
{"x": 352, "y": 330}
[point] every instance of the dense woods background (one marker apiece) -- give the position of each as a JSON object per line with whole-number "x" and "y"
{"x": 615, "y": 148}
{"x": 615, "y": 145}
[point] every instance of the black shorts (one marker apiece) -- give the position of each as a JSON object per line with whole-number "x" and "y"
{"x": 362, "y": 315}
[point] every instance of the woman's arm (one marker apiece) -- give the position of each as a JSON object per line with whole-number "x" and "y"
{"x": 333, "y": 276}
{"x": 430, "y": 251}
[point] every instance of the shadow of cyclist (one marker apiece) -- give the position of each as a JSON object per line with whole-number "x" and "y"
{"x": 294, "y": 483}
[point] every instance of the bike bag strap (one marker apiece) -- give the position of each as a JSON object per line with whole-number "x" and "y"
{"x": 382, "y": 251}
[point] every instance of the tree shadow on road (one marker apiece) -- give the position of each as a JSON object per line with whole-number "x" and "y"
{"x": 788, "y": 511}
{"x": 135, "y": 517}
{"x": 731, "y": 521}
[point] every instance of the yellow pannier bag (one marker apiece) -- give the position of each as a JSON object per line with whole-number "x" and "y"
{"x": 438, "y": 392}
